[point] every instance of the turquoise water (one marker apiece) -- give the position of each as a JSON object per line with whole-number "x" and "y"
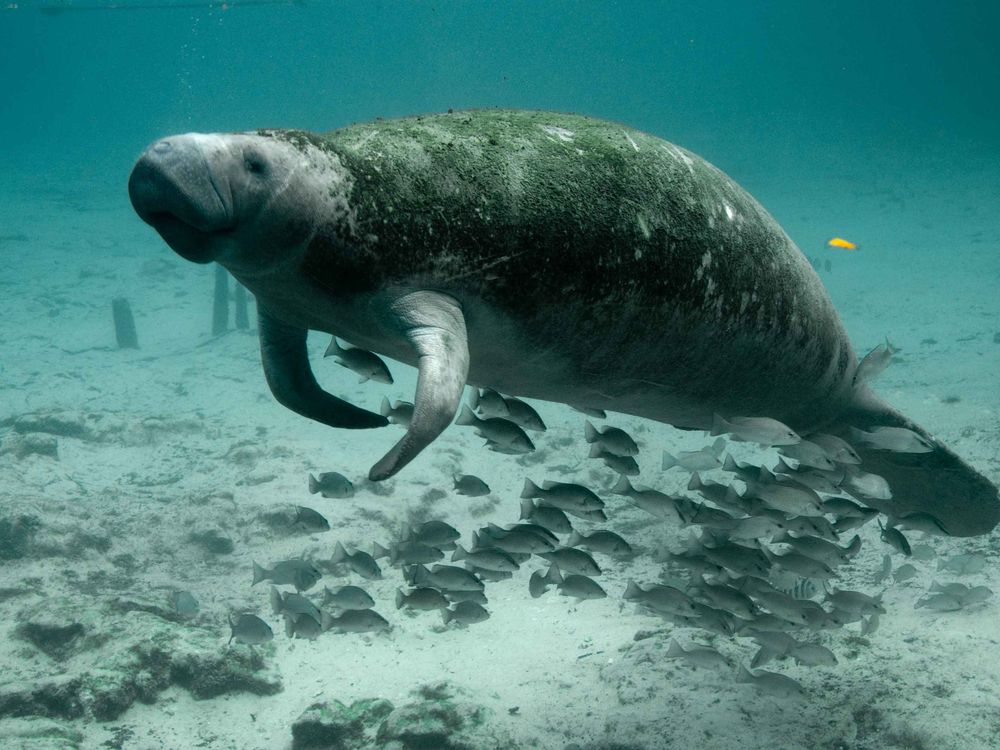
{"x": 168, "y": 469}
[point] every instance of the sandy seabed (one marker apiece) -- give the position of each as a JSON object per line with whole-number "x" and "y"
{"x": 182, "y": 444}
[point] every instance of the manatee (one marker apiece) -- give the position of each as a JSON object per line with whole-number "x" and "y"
{"x": 544, "y": 255}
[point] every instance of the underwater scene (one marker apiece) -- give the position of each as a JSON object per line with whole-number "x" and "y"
{"x": 465, "y": 375}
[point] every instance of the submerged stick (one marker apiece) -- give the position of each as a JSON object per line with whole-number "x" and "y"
{"x": 220, "y": 309}
{"x": 242, "y": 319}
{"x": 124, "y": 324}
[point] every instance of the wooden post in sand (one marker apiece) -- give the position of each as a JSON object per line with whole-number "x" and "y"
{"x": 242, "y": 319}
{"x": 124, "y": 324}
{"x": 220, "y": 308}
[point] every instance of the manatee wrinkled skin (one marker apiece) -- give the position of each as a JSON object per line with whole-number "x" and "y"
{"x": 546, "y": 255}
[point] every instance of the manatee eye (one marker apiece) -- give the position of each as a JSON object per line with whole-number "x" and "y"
{"x": 255, "y": 164}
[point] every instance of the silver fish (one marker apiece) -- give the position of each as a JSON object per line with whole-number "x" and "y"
{"x": 485, "y": 559}
{"x": 761, "y": 430}
{"x": 571, "y": 560}
{"x": 874, "y": 363}
{"x": 434, "y": 533}
{"x": 471, "y": 486}
{"x": 813, "y": 655}
{"x": 895, "y": 539}
{"x": 563, "y": 495}
{"x": 653, "y": 502}
{"x": 522, "y": 414}
{"x": 500, "y": 432}
{"x": 836, "y": 448}
{"x": 355, "y": 621}
{"x": 606, "y": 542}
{"x": 865, "y": 484}
{"x": 964, "y": 564}
{"x": 300, "y": 573}
{"x": 772, "y": 683}
{"x": 856, "y": 602}
{"x": 360, "y": 562}
{"x": 489, "y": 403}
{"x": 704, "y": 459}
{"x": 663, "y": 599}
{"x": 551, "y": 518}
{"x": 347, "y": 597}
{"x": 612, "y": 439}
{"x": 421, "y": 598}
{"x": 580, "y": 587}
{"x": 465, "y": 613}
{"x": 698, "y": 656}
{"x": 895, "y": 439}
{"x": 287, "y": 603}
{"x": 249, "y": 629}
{"x": 622, "y": 464}
{"x": 400, "y": 413}
{"x": 367, "y": 365}
{"x": 183, "y": 603}
{"x": 808, "y": 453}
{"x": 331, "y": 484}
{"x": 447, "y": 578}
{"x": 310, "y": 520}
{"x": 302, "y": 625}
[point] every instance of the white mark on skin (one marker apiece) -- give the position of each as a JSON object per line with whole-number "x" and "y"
{"x": 643, "y": 227}
{"x": 730, "y": 214}
{"x": 706, "y": 259}
{"x": 631, "y": 142}
{"x": 680, "y": 156}
{"x": 566, "y": 136}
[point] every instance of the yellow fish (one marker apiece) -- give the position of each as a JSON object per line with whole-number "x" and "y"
{"x": 842, "y": 244}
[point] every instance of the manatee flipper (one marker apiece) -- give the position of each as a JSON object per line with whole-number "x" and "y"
{"x": 434, "y": 325}
{"x": 286, "y": 368}
{"x": 939, "y": 482}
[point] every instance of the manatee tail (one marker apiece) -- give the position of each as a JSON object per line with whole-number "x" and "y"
{"x": 939, "y": 482}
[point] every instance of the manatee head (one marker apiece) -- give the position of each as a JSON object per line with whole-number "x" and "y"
{"x": 251, "y": 201}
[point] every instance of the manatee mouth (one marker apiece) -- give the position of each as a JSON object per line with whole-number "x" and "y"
{"x": 173, "y": 189}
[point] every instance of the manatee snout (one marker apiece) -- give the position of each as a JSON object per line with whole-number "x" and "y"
{"x": 177, "y": 190}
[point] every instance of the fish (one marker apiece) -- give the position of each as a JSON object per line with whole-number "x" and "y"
{"x": 590, "y": 411}
{"x": 465, "y": 613}
{"x": 822, "y": 550}
{"x": 612, "y": 439}
{"x": 939, "y": 603}
{"x": 572, "y": 560}
{"x": 885, "y": 570}
{"x": 539, "y": 583}
{"x": 606, "y": 542}
{"x": 524, "y": 415}
{"x": 739, "y": 559}
{"x": 302, "y": 625}
{"x": 563, "y": 495}
{"x": 724, "y": 495}
{"x": 841, "y": 506}
{"x": 895, "y": 539}
{"x": 856, "y": 602}
{"x": 895, "y": 439}
{"x": 761, "y": 430}
{"x": 499, "y": 432}
{"x": 580, "y": 587}
{"x": 421, "y": 598}
{"x": 300, "y": 573}
{"x": 965, "y": 594}
{"x": 551, "y": 518}
{"x": 412, "y": 552}
{"x": 449, "y": 578}
{"x": 622, "y": 464}
{"x": 360, "y": 562}
{"x": 355, "y": 621}
{"x": 697, "y": 656}
{"x": 661, "y": 598}
{"x": 787, "y": 497}
{"x": 730, "y": 599}
{"x": 874, "y": 363}
{"x": 904, "y": 573}
{"x": 965, "y": 564}
{"x": 434, "y": 533}
{"x": 249, "y": 629}
{"x": 808, "y": 453}
{"x": 489, "y": 403}
{"x": 653, "y": 502}
{"x": 366, "y": 364}
{"x": 803, "y": 565}
{"x": 471, "y": 486}
{"x": 465, "y": 596}
{"x": 867, "y": 485}
{"x": 183, "y": 603}
{"x": 287, "y": 603}
{"x": 347, "y": 597}
{"x": 811, "y": 525}
{"x": 704, "y": 459}
{"x": 841, "y": 244}
{"x": 331, "y": 484}
{"x": 772, "y": 683}
{"x": 485, "y": 559}
{"x": 310, "y": 520}
{"x": 836, "y": 448}
{"x": 813, "y": 655}
{"x": 827, "y": 482}
{"x": 400, "y": 413}
{"x": 513, "y": 541}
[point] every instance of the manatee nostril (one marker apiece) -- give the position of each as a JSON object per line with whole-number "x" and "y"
{"x": 162, "y": 147}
